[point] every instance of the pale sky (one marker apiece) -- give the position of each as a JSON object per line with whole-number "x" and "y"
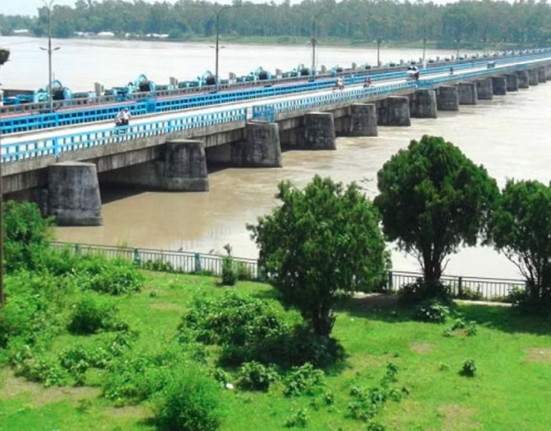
{"x": 29, "y": 7}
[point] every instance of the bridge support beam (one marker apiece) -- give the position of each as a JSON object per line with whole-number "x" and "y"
{"x": 512, "y": 82}
{"x": 467, "y": 93}
{"x": 523, "y": 79}
{"x": 447, "y": 98}
{"x": 422, "y": 104}
{"x": 362, "y": 121}
{"x": 394, "y": 111}
{"x": 318, "y": 132}
{"x": 533, "y": 74}
{"x": 542, "y": 76}
{"x": 73, "y": 194}
{"x": 182, "y": 167}
{"x": 499, "y": 85}
{"x": 485, "y": 89}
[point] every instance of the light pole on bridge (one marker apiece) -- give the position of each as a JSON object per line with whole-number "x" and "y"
{"x": 379, "y": 40}
{"x": 4, "y": 57}
{"x": 314, "y": 19}
{"x": 50, "y": 50}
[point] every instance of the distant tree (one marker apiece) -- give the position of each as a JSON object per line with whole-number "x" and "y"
{"x": 322, "y": 243}
{"x": 521, "y": 228}
{"x": 432, "y": 200}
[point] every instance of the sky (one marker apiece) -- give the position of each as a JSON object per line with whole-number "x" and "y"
{"x": 29, "y": 7}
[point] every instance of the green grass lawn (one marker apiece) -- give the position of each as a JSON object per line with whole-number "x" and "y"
{"x": 510, "y": 390}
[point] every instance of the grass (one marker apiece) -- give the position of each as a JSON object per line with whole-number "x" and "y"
{"x": 509, "y": 390}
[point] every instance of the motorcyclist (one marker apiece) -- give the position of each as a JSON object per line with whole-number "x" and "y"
{"x": 367, "y": 82}
{"x": 339, "y": 83}
{"x": 123, "y": 117}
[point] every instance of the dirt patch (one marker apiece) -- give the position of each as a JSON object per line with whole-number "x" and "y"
{"x": 541, "y": 355}
{"x": 458, "y": 418}
{"x": 422, "y": 348}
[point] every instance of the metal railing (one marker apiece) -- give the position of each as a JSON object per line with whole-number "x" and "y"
{"x": 60, "y": 144}
{"x": 165, "y": 101}
{"x": 492, "y": 289}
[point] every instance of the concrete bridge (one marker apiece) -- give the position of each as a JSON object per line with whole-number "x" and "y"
{"x": 62, "y": 171}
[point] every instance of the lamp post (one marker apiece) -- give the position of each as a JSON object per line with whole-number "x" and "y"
{"x": 379, "y": 40}
{"x": 217, "y": 13}
{"x": 314, "y": 40}
{"x": 4, "y": 57}
{"x": 424, "y": 45}
{"x": 50, "y": 50}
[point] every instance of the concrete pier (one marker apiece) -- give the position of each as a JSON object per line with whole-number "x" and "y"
{"x": 467, "y": 93}
{"x": 485, "y": 89}
{"x": 73, "y": 194}
{"x": 542, "y": 76}
{"x": 422, "y": 104}
{"x": 499, "y": 85}
{"x": 394, "y": 111}
{"x": 512, "y": 82}
{"x": 362, "y": 120}
{"x": 533, "y": 75}
{"x": 181, "y": 167}
{"x": 447, "y": 98}
{"x": 548, "y": 72}
{"x": 523, "y": 79}
{"x": 318, "y": 132}
{"x": 261, "y": 146}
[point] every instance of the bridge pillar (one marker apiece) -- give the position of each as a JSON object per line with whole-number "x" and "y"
{"x": 73, "y": 194}
{"x": 447, "y": 98}
{"x": 533, "y": 74}
{"x": 318, "y": 132}
{"x": 422, "y": 104}
{"x": 394, "y": 111}
{"x": 542, "y": 76}
{"x": 548, "y": 72}
{"x": 362, "y": 120}
{"x": 261, "y": 146}
{"x": 499, "y": 85}
{"x": 512, "y": 82}
{"x": 182, "y": 167}
{"x": 523, "y": 78}
{"x": 485, "y": 89}
{"x": 467, "y": 93}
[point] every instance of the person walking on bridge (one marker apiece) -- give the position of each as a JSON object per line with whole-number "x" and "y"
{"x": 123, "y": 117}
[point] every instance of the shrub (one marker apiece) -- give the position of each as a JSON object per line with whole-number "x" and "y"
{"x": 298, "y": 419}
{"x": 471, "y": 294}
{"x": 244, "y": 272}
{"x": 420, "y": 291}
{"x": 157, "y": 265}
{"x": 303, "y": 380}
{"x": 36, "y": 368}
{"x": 190, "y": 402}
{"x": 469, "y": 368}
{"x": 117, "y": 277}
{"x": 257, "y": 377}
{"x": 462, "y": 327}
{"x": 432, "y": 311}
{"x": 375, "y": 426}
{"x": 229, "y": 268}
{"x": 92, "y": 314}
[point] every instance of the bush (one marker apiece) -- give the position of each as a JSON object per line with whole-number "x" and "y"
{"x": 432, "y": 311}
{"x": 36, "y": 368}
{"x": 298, "y": 419}
{"x": 421, "y": 291}
{"x": 190, "y": 402}
{"x": 470, "y": 294}
{"x": 229, "y": 268}
{"x": 158, "y": 265}
{"x": 303, "y": 380}
{"x": 93, "y": 314}
{"x": 469, "y": 368}
{"x": 257, "y": 377}
{"x": 117, "y": 277}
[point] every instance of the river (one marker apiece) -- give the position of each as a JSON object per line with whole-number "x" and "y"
{"x": 508, "y": 135}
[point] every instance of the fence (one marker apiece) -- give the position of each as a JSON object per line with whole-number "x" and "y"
{"x": 188, "y": 262}
{"x": 164, "y": 101}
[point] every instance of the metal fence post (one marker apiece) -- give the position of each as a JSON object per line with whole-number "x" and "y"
{"x": 460, "y": 287}
{"x": 137, "y": 257}
{"x": 390, "y": 281}
{"x": 77, "y": 249}
{"x": 197, "y": 262}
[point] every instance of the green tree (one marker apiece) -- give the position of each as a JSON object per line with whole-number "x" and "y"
{"x": 432, "y": 200}
{"x": 323, "y": 242}
{"x": 521, "y": 228}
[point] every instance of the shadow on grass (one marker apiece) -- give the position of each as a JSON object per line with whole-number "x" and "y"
{"x": 386, "y": 308}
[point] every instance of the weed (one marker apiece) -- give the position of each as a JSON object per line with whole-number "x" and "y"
{"x": 469, "y": 368}
{"x": 298, "y": 419}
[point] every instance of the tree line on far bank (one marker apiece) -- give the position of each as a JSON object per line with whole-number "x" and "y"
{"x": 465, "y": 23}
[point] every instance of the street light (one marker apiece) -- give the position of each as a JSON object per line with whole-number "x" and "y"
{"x": 4, "y": 57}
{"x": 50, "y": 50}
{"x": 424, "y": 45}
{"x": 314, "y": 40}
{"x": 379, "y": 40}
{"x": 217, "y": 13}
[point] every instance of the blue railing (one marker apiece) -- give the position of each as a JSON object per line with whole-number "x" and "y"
{"x": 148, "y": 104}
{"x": 61, "y": 144}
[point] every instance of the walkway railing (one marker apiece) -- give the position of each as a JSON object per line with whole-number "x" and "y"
{"x": 158, "y": 102}
{"x": 493, "y": 289}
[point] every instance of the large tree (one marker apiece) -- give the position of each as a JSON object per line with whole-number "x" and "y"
{"x": 521, "y": 228}
{"x": 323, "y": 242}
{"x": 432, "y": 200}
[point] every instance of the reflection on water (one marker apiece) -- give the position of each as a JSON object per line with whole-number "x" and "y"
{"x": 507, "y": 135}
